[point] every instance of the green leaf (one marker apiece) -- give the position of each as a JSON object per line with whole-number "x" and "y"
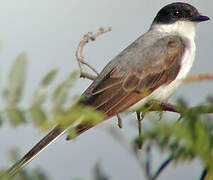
{"x": 40, "y": 94}
{"x": 186, "y": 139}
{"x": 49, "y": 77}
{"x": 2, "y": 174}
{"x": 37, "y": 115}
{"x": 72, "y": 133}
{"x": 61, "y": 92}
{"x": 88, "y": 117}
{"x": 203, "y": 144}
{"x": 1, "y": 121}
{"x": 15, "y": 116}
{"x": 14, "y": 154}
{"x": 14, "y": 88}
{"x": 39, "y": 97}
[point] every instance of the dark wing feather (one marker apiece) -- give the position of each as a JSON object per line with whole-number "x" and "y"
{"x": 114, "y": 94}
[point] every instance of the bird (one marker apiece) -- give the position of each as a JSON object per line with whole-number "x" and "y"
{"x": 150, "y": 68}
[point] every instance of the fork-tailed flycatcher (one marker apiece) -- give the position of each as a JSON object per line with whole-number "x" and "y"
{"x": 151, "y": 68}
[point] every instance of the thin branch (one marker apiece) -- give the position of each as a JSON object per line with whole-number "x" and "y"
{"x": 79, "y": 53}
{"x": 203, "y": 174}
{"x": 162, "y": 167}
{"x": 203, "y": 109}
{"x": 119, "y": 121}
{"x": 82, "y": 62}
{"x": 140, "y": 137}
{"x": 159, "y": 107}
{"x": 169, "y": 107}
{"x": 198, "y": 77}
{"x": 148, "y": 162}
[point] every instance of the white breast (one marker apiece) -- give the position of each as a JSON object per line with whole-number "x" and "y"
{"x": 162, "y": 93}
{"x": 187, "y": 30}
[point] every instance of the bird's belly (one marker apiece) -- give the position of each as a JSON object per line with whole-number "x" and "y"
{"x": 164, "y": 92}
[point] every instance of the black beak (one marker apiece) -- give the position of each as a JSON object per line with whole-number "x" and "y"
{"x": 199, "y": 18}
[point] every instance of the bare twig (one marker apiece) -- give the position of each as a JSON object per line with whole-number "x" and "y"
{"x": 169, "y": 107}
{"x": 82, "y": 62}
{"x": 80, "y": 57}
{"x": 119, "y": 121}
{"x": 198, "y": 77}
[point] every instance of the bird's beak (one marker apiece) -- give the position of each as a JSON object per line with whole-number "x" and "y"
{"x": 199, "y": 18}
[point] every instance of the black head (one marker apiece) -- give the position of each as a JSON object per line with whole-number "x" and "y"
{"x": 178, "y": 11}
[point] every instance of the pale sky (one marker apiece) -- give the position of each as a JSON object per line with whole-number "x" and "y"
{"x": 48, "y": 31}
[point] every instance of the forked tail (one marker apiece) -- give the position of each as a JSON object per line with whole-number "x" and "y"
{"x": 41, "y": 145}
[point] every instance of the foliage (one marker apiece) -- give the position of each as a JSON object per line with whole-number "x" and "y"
{"x": 189, "y": 137}
{"x": 25, "y": 174}
{"x": 39, "y": 174}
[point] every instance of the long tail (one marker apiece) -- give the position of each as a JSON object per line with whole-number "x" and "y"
{"x": 41, "y": 145}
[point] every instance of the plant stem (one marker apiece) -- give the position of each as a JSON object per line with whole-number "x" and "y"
{"x": 162, "y": 167}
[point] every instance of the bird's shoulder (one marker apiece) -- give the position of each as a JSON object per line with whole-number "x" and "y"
{"x": 150, "y": 53}
{"x": 150, "y": 49}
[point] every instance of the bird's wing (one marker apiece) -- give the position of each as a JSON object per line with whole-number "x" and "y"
{"x": 120, "y": 85}
{"x": 119, "y": 90}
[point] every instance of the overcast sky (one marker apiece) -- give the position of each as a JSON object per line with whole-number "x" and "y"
{"x": 48, "y": 31}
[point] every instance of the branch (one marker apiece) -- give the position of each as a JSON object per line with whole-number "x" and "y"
{"x": 80, "y": 57}
{"x": 203, "y": 109}
{"x": 82, "y": 62}
{"x": 172, "y": 108}
{"x": 203, "y": 174}
{"x": 139, "y": 140}
{"x": 148, "y": 162}
{"x": 169, "y": 107}
{"x": 162, "y": 167}
{"x": 120, "y": 125}
{"x": 198, "y": 77}
{"x": 158, "y": 106}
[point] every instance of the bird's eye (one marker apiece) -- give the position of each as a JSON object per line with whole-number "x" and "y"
{"x": 175, "y": 14}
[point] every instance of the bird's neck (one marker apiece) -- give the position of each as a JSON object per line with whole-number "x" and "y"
{"x": 183, "y": 28}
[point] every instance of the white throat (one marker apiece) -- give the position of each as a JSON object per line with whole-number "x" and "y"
{"x": 182, "y": 28}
